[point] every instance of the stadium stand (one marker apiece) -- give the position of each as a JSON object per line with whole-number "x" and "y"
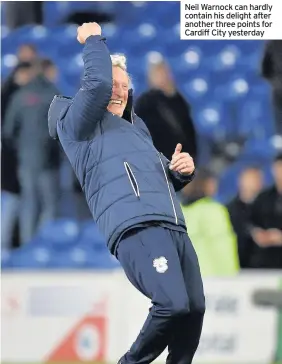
{"x": 220, "y": 79}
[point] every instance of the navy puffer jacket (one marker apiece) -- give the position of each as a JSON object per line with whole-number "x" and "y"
{"x": 126, "y": 181}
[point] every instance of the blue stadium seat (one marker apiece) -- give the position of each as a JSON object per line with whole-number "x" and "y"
{"x": 59, "y": 234}
{"x": 248, "y": 46}
{"x": 197, "y": 89}
{"x": 71, "y": 258}
{"x": 6, "y": 260}
{"x": 34, "y": 34}
{"x": 146, "y": 34}
{"x": 238, "y": 87}
{"x": 90, "y": 235}
{"x": 10, "y": 41}
{"x": 210, "y": 120}
{"x": 188, "y": 64}
{"x": 67, "y": 86}
{"x": 30, "y": 257}
{"x": 104, "y": 260}
{"x": 255, "y": 118}
{"x": 251, "y": 62}
{"x": 259, "y": 150}
{"x": 170, "y": 41}
{"x": 166, "y": 16}
{"x": 132, "y": 13}
{"x": 72, "y": 69}
{"x": 67, "y": 44}
{"x": 113, "y": 35}
{"x": 138, "y": 74}
{"x": 41, "y": 37}
{"x": 225, "y": 59}
{"x": 209, "y": 48}
{"x": 83, "y": 257}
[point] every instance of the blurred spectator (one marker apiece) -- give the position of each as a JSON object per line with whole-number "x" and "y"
{"x": 266, "y": 220}
{"x": 166, "y": 113}
{"x": 20, "y": 13}
{"x": 210, "y": 228}
{"x": 272, "y": 71}
{"x": 26, "y": 127}
{"x": 27, "y": 53}
{"x": 49, "y": 70}
{"x": 250, "y": 184}
{"x": 19, "y": 76}
{"x": 9, "y": 179}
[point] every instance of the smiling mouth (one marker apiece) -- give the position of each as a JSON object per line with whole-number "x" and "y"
{"x": 115, "y": 102}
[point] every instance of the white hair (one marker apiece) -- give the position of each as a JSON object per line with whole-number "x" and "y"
{"x": 119, "y": 60}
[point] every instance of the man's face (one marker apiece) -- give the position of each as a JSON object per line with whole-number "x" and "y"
{"x": 51, "y": 74}
{"x": 26, "y": 54}
{"x": 210, "y": 186}
{"x": 23, "y": 76}
{"x": 159, "y": 76}
{"x": 250, "y": 183}
{"x": 120, "y": 92}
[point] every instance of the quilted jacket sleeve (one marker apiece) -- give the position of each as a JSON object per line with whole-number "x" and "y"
{"x": 90, "y": 103}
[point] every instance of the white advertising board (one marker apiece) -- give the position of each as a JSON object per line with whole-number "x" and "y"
{"x": 72, "y": 316}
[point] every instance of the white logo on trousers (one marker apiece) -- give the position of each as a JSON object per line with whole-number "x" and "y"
{"x": 160, "y": 264}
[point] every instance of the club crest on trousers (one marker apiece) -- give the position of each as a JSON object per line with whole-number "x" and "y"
{"x": 160, "y": 264}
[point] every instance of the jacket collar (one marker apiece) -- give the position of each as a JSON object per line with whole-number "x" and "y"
{"x": 128, "y": 113}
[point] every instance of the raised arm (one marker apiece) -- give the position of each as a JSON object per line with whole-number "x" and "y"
{"x": 81, "y": 116}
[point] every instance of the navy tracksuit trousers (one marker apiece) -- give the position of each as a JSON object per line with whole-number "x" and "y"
{"x": 162, "y": 264}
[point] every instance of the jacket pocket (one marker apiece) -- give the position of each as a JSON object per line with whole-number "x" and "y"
{"x": 132, "y": 179}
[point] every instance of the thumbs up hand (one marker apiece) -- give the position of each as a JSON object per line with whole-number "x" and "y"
{"x": 178, "y": 149}
{"x": 181, "y": 162}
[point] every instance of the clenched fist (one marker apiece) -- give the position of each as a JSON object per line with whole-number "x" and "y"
{"x": 86, "y": 30}
{"x": 182, "y": 162}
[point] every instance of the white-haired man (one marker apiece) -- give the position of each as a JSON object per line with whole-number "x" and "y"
{"x": 130, "y": 189}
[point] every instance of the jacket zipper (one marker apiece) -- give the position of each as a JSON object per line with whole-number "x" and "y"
{"x": 132, "y": 179}
{"x": 169, "y": 190}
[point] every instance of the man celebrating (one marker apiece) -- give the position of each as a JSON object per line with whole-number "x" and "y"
{"x": 130, "y": 189}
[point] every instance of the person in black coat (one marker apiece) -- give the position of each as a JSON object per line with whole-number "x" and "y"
{"x": 250, "y": 184}
{"x": 166, "y": 113}
{"x": 266, "y": 222}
